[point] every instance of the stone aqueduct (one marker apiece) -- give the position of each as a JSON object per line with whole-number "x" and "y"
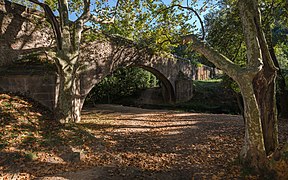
{"x": 24, "y": 30}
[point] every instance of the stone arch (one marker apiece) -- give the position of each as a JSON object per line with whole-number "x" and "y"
{"x": 168, "y": 91}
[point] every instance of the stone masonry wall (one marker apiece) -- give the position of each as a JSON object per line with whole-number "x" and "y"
{"x": 42, "y": 88}
{"x": 21, "y": 31}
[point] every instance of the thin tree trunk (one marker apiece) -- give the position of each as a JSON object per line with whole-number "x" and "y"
{"x": 282, "y": 91}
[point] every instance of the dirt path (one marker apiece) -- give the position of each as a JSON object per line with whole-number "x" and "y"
{"x": 153, "y": 144}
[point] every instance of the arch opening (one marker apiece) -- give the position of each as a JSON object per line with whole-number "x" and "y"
{"x": 163, "y": 92}
{"x": 168, "y": 93}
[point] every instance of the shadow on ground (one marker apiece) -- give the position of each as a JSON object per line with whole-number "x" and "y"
{"x": 116, "y": 142}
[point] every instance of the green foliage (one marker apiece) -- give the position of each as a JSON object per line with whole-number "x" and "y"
{"x": 224, "y": 32}
{"x": 122, "y": 83}
{"x": 155, "y": 24}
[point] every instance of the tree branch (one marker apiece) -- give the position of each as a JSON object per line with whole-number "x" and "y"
{"x": 63, "y": 12}
{"x": 102, "y": 21}
{"x": 85, "y": 16}
{"x": 52, "y": 20}
{"x": 218, "y": 59}
{"x": 198, "y": 16}
{"x": 247, "y": 10}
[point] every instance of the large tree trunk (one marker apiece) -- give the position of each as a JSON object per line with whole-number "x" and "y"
{"x": 68, "y": 106}
{"x": 257, "y": 83}
{"x": 253, "y": 152}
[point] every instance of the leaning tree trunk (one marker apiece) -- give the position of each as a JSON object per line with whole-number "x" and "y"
{"x": 253, "y": 152}
{"x": 257, "y": 83}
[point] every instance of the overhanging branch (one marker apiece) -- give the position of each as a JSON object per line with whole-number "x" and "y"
{"x": 102, "y": 21}
{"x": 198, "y": 16}
{"x": 85, "y": 16}
{"x": 218, "y": 59}
{"x": 52, "y": 20}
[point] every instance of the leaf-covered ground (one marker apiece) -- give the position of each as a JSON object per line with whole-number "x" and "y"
{"x": 116, "y": 142}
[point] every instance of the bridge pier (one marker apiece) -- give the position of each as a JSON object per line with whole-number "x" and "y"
{"x": 183, "y": 90}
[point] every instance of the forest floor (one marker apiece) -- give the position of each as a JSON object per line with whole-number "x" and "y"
{"x": 118, "y": 142}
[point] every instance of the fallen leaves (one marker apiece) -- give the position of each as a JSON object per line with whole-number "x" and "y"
{"x": 149, "y": 143}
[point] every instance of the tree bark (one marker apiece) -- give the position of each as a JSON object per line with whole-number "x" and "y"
{"x": 68, "y": 106}
{"x": 264, "y": 82}
{"x": 265, "y": 89}
{"x": 253, "y": 151}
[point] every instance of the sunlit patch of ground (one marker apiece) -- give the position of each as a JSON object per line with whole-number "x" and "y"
{"x": 116, "y": 142}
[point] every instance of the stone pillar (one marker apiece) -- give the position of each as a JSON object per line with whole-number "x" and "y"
{"x": 183, "y": 90}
